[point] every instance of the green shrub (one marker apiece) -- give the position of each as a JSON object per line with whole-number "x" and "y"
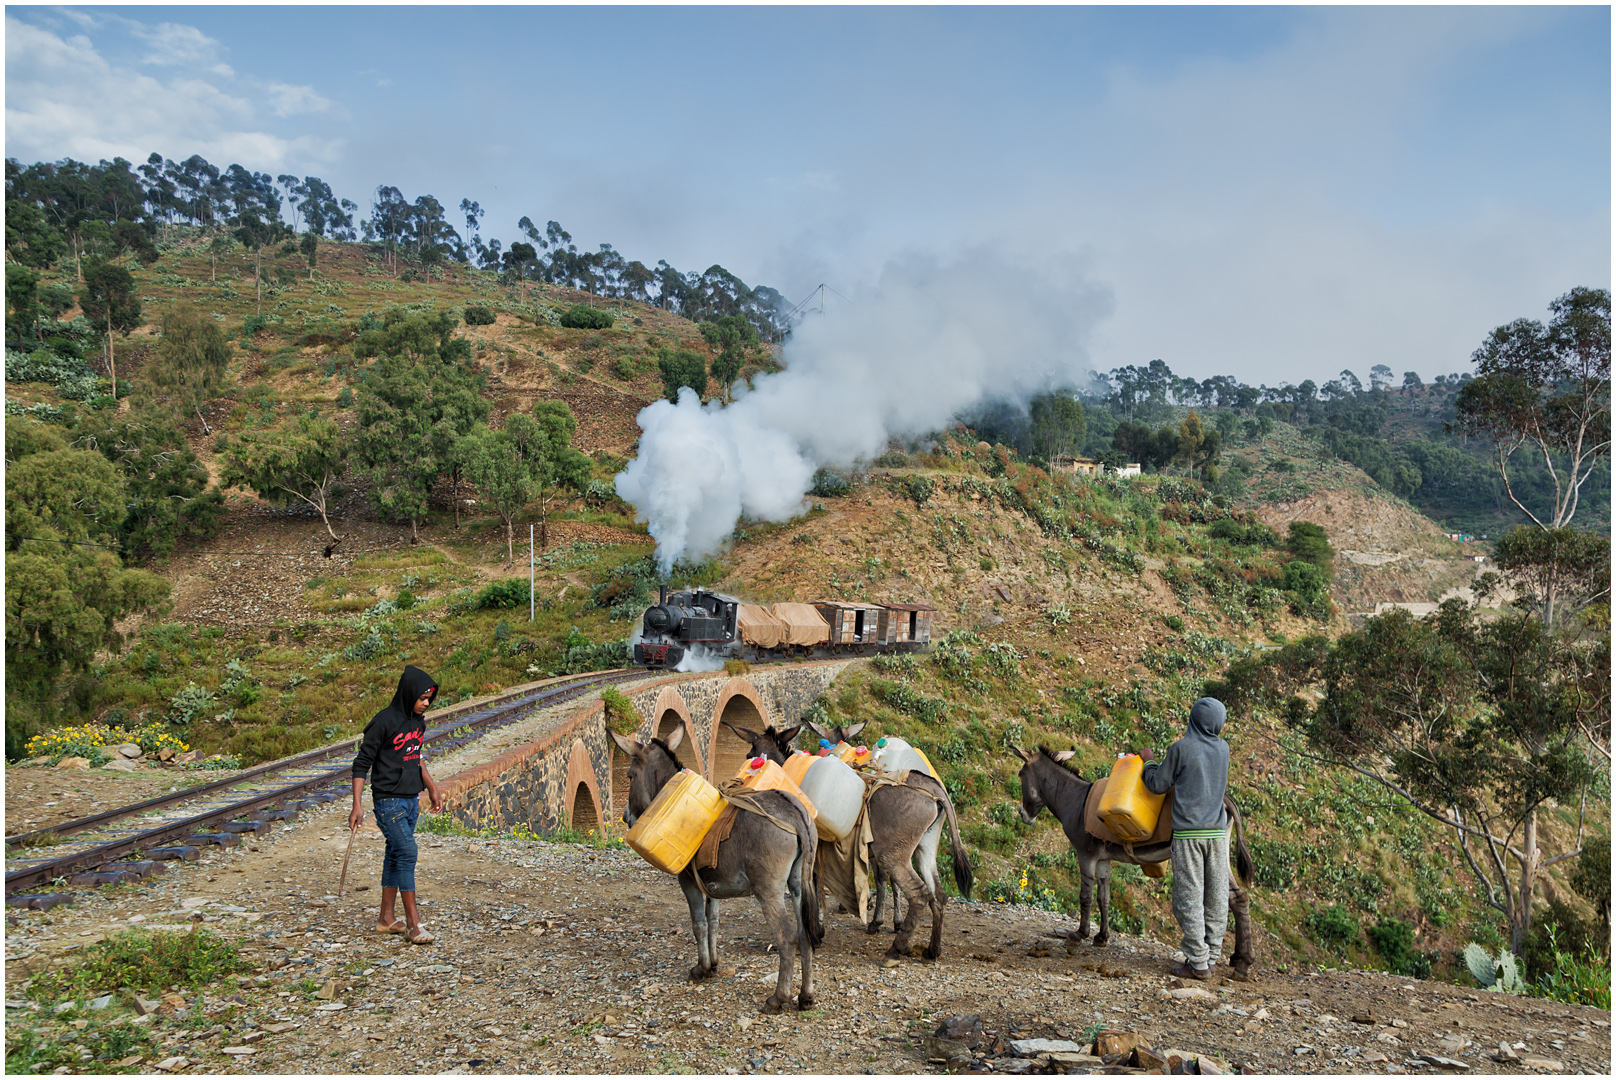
{"x": 189, "y": 703}
{"x": 510, "y": 593}
{"x": 1334, "y": 927}
{"x": 1310, "y": 542}
{"x": 829, "y": 485}
{"x": 621, "y": 715}
{"x": 584, "y": 317}
{"x": 1308, "y": 587}
{"x": 1276, "y": 863}
{"x": 404, "y": 600}
{"x": 1394, "y": 940}
{"x": 479, "y": 315}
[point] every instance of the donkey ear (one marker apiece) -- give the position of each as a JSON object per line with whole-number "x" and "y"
{"x": 625, "y": 744}
{"x": 855, "y": 729}
{"x": 676, "y": 737}
{"x": 1066, "y": 755}
{"x": 746, "y": 733}
{"x": 821, "y": 732}
{"x": 787, "y": 737}
{"x": 1022, "y": 754}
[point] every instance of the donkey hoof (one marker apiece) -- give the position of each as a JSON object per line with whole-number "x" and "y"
{"x": 872, "y": 928}
{"x": 891, "y": 961}
{"x": 1102, "y": 940}
{"x": 772, "y": 1004}
{"x": 805, "y": 1001}
{"x": 699, "y": 973}
{"x": 933, "y": 952}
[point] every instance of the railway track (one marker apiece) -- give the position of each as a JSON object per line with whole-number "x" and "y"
{"x": 92, "y": 850}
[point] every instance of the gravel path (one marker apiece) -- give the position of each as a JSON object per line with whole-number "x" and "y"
{"x": 561, "y": 958}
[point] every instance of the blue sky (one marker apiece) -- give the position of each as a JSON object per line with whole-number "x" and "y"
{"x": 1274, "y": 193}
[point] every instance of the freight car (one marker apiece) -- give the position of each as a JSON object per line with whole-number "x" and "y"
{"x": 728, "y": 628}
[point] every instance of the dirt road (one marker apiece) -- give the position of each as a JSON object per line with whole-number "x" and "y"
{"x": 560, "y": 958}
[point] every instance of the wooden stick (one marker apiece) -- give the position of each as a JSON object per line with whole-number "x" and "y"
{"x": 342, "y": 883}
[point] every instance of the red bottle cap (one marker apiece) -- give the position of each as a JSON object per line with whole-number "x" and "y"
{"x": 757, "y": 762}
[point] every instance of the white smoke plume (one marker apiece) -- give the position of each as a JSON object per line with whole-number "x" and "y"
{"x": 929, "y": 341}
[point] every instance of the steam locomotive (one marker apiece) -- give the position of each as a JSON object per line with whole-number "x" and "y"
{"x": 729, "y": 628}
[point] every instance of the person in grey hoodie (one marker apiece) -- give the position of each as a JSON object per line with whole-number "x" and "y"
{"x": 1197, "y": 767}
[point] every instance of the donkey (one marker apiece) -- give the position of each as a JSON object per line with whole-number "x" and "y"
{"x": 904, "y": 821}
{"x": 758, "y": 858}
{"x": 1046, "y": 781}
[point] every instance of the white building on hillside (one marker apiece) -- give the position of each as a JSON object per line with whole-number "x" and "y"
{"x": 1131, "y": 469}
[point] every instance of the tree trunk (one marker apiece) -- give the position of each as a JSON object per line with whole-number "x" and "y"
{"x": 544, "y": 527}
{"x": 1523, "y": 911}
{"x": 205, "y": 429}
{"x": 454, "y": 491}
{"x": 112, "y": 360}
{"x": 415, "y": 536}
{"x": 510, "y": 545}
{"x": 258, "y": 281}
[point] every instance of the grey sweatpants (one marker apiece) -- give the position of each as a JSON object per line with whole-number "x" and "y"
{"x": 1201, "y": 895}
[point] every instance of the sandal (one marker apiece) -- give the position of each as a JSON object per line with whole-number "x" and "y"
{"x": 419, "y": 936}
{"x": 398, "y": 927}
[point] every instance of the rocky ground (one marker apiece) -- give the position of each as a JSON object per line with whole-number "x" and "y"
{"x": 562, "y": 958}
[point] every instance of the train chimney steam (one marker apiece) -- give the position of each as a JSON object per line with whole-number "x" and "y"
{"x": 930, "y": 341}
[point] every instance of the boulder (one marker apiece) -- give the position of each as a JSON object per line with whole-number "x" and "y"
{"x": 129, "y": 750}
{"x": 73, "y": 763}
{"x": 165, "y": 754}
{"x": 1117, "y": 1042}
{"x": 119, "y": 764}
{"x": 188, "y": 757}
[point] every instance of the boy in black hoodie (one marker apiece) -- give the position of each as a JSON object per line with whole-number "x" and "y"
{"x": 390, "y": 755}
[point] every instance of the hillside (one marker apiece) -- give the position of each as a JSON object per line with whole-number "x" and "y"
{"x": 1071, "y": 613}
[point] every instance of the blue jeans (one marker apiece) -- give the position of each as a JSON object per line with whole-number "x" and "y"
{"x": 396, "y": 819}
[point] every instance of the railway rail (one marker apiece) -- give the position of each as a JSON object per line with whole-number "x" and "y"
{"x": 247, "y": 803}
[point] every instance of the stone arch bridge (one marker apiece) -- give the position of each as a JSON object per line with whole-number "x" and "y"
{"x": 572, "y": 777}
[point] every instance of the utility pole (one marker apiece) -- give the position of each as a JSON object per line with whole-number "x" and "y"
{"x": 530, "y": 602}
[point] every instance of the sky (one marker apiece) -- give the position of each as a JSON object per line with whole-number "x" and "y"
{"x": 1270, "y": 193}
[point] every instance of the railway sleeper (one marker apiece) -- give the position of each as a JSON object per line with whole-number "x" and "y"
{"x": 39, "y": 901}
{"x": 182, "y": 852}
{"x": 223, "y": 839}
{"x": 273, "y": 815}
{"x": 141, "y": 868}
{"x": 97, "y": 877}
{"x": 240, "y": 827}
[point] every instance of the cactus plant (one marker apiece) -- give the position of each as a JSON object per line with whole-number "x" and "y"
{"x": 1502, "y": 973}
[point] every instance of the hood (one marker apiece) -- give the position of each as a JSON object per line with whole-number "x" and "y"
{"x": 1206, "y": 717}
{"x": 411, "y": 685}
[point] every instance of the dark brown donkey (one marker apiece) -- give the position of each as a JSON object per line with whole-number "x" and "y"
{"x": 1046, "y": 781}
{"x": 759, "y": 859}
{"x": 905, "y": 821}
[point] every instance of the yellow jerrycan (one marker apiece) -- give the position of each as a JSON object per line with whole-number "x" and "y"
{"x": 1126, "y": 807}
{"x": 671, "y": 830}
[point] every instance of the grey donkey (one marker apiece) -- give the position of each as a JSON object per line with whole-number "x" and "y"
{"x": 1047, "y": 782}
{"x": 758, "y": 858}
{"x": 905, "y": 822}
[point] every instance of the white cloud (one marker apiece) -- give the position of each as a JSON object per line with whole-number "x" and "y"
{"x": 287, "y": 100}
{"x": 65, "y": 99}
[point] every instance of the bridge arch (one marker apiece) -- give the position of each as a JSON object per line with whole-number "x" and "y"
{"x": 670, "y": 713}
{"x": 582, "y": 791}
{"x": 741, "y": 705}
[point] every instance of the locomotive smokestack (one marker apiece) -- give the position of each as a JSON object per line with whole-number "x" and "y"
{"x": 662, "y": 593}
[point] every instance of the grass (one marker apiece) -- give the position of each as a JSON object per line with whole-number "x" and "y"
{"x": 147, "y": 960}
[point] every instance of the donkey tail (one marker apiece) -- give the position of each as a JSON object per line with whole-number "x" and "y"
{"x": 808, "y": 850}
{"x": 1243, "y": 864}
{"x": 956, "y": 850}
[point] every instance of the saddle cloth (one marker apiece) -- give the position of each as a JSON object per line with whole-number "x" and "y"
{"x": 739, "y": 798}
{"x": 1101, "y": 831}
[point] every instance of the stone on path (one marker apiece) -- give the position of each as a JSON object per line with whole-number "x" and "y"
{"x": 1445, "y": 1062}
{"x": 1546, "y": 1064}
{"x": 1034, "y": 1047}
{"x": 129, "y": 750}
{"x": 121, "y": 765}
{"x": 73, "y": 763}
{"x": 173, "y": 1064}
{"x": 1116, "y": 1042}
